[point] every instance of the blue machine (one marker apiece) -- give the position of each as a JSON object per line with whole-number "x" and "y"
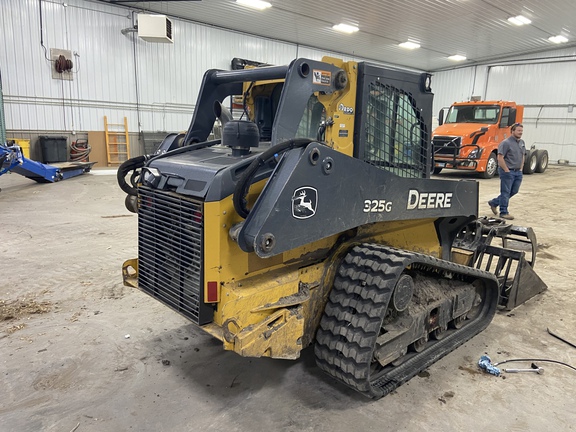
{"x": 12, "y": 159}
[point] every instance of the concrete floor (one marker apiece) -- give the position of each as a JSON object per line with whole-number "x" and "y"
{"x": 74, "y": 367}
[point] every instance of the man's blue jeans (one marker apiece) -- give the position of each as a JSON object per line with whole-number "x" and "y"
{"x": 509, "y": 186}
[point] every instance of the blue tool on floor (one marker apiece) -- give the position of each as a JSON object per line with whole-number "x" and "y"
{"x": 486, "y": 364}
{"x": 12, "y": 159}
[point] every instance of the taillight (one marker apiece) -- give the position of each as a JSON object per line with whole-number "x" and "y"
{"x": 212, "y": 294}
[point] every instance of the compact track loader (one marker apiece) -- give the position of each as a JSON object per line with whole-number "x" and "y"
{"x": 313, "y": 221}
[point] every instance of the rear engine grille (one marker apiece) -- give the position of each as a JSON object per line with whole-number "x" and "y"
{"x": 170, "y": 245}
{"x": 447, "y": 145}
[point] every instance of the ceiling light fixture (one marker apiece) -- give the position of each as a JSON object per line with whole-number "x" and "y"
{"x": 409, "y": 45}
{"x": 519, "y": 20}
{"x": 255, "y": 4}
{"x": 457, "y": 57}
{"x": 558, "y": 39}
{"x": 345, "y": 28}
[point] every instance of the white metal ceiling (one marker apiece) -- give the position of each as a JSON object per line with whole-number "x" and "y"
{"x": 477, "y": 29}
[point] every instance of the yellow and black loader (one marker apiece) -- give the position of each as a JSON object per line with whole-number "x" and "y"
{"x": 314, "y": 221}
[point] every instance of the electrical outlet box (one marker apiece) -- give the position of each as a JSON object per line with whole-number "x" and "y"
{"x": 155, "y": 28}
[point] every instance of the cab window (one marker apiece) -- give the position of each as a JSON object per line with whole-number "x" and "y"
{"x": 396, "y": 138}
{"x": 312, "y": 119}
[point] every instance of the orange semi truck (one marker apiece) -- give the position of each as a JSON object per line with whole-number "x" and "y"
{"x": 469, "y": 134}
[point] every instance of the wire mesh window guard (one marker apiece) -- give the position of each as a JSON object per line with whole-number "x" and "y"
{"x": 396, "y": 136}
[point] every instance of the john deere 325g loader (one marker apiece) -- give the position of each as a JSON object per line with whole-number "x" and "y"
{"x": 313, "y": 221}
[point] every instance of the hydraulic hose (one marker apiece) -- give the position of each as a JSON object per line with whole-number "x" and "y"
{"x": 79, "y": 150}
{"x": 123, "y": 170}
{"x": 140, "y": 161}
{"x": 243, "y": 185}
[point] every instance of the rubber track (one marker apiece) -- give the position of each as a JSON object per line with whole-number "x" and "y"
{"x": 353, "y": 316}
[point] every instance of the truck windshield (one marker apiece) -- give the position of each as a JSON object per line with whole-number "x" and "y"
{"x": 473, "y": 114}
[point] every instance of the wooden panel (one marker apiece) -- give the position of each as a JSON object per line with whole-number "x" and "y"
{"x": 97, "y": 141}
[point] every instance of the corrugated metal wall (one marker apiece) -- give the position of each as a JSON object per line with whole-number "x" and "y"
{"x": 103, "y": 73}
{"x": 156, "y": 85}
{"x": 549, "y": 115}
{"x": 544, "y": 83}
{"x": 457, "y": 85}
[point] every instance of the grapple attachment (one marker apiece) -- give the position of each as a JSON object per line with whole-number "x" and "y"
{"x": 512, "y": 261}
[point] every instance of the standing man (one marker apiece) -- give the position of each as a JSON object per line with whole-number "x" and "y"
{"x": 511, "y": 153}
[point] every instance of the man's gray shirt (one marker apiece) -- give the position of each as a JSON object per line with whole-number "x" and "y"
{"x": 513, "y": 151}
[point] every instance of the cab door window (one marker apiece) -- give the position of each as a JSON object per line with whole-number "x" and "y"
{"x": 395, "y": 133}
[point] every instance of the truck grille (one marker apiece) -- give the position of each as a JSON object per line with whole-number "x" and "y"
{"x": 447, "y": 145}
{"x": 170, "y": 245}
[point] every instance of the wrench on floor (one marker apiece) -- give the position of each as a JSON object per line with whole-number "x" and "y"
{"x": 537, "y": 370}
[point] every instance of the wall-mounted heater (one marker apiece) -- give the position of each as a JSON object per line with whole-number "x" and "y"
{"x": 155, "y": 28}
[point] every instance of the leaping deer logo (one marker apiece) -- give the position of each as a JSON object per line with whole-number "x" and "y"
{"x": 304, "y": 202}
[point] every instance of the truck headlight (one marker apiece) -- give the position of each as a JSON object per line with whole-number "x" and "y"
{"x": 475, "y": 154}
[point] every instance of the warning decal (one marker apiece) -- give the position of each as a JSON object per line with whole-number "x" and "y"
{"x": 321, "y": 77}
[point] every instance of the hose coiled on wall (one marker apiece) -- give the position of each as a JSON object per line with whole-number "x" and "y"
{"x": 79, "y": 150}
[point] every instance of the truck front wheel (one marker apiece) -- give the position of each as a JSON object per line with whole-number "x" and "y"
{"x": 530, "y": 162}
{"x": 541, "y": 160}
{"x": 491, "y": 166}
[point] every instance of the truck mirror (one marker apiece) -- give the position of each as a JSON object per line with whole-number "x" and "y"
{"x": 441, "y": 117}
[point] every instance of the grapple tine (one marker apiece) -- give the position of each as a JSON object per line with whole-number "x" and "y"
{"x": 514, "y": 270}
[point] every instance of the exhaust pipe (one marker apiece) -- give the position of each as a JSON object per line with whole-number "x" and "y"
{"x": 222, "y": 113}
